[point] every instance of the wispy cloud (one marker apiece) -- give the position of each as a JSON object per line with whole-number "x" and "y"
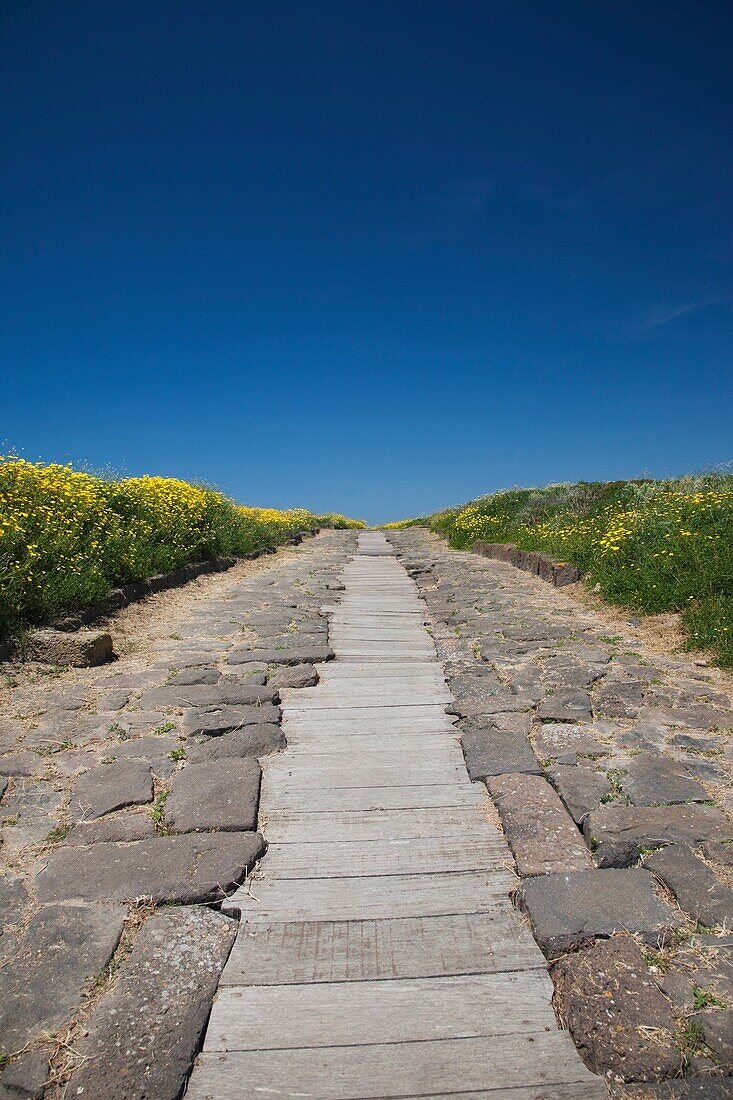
{"x": 665, "y": 313}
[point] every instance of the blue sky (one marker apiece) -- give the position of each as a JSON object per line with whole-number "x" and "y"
{"x": 373, "y": 257}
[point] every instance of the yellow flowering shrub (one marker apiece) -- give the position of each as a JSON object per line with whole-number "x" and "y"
{"x": 67, "y": 537}
{"x": 650, "y": 546}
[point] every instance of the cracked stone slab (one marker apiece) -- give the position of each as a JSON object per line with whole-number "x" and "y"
{"x": 717, "y": 1026}
{"x": 698, "y": 716}
{"x": 160, "y": 1002}
{"x": 13, "y": 899}
{"x": 188, "y": 676}
{"x": 110, "y": 787}
{"x": 214, "y": 721}
{"x": 654, "y": 780}
{"x": 697, "y": 890}
{"x": 63, "y": 948}
{"x": 218, "y": 794}
{"x": 300, "y": 655}
{"x": 121, "y": 827}
{"x": 24, "y": 1078}
{"x": 619, "y": 699}
{"x": 493, "y": 752}
{"x": 541, "y": 835}
{"x": 622, "y": 1025}
{"x": 500, "y": 702}
{"x": 566, "y": 705}
{"x": 154, "y": 751}
{"x": 191, "y": 868}
{"x": 23, "y": 763}
{"x": 582, "y": 789}
{"x": 249, "y": 741}
{"x": 619, "y": 833}
{"x": 294, "y": 676}
{"x": 559, "y": 739}
{"x": 204, "y": 695}
{"x": 567, "y": 911}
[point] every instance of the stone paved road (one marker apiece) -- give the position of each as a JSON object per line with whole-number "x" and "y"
{"x": 378, "y": 952}
{"x": 609, "y": 765}
{"x": 379, "y": 948}
{"x": 134, "y": 785}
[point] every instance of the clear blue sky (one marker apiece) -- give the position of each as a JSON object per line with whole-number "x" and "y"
{"x": 369, "y": 256}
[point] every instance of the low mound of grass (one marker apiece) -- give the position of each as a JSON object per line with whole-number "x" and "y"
{"x": 650, "y": 546}
{"x": 67, "y": 537}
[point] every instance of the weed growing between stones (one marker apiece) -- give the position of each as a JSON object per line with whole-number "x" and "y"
{"x": 651, "y": 546}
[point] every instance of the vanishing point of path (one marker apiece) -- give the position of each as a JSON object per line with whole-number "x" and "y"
{"x": 378, "y": 953}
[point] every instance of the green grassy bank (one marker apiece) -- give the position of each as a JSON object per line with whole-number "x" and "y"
{"x": 649, "y": 546}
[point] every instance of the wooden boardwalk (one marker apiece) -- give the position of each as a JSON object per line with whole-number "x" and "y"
{"x": 378, "y": 953}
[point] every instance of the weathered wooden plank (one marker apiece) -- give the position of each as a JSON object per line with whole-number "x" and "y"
{"x": 386, "y": 750}
{"x": 281, "y": 775}
{"x": 353, "y": 951}
{"x": 395, "y": 856}
{"x": 376, "y": 798}
{"x": 327, "y": 1014}
{"x": 397, "y": 1069}
{"x": 286, "y": 826}
{"x": 374, "y": 897}
{"x": 368, "y": 964}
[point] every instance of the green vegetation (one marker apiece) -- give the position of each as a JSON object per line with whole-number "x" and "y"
{"x": 650, "y": 546}
{"x": 67, "y": 538}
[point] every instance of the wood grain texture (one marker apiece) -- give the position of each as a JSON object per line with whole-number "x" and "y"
{"x": 379, "y": 954}
{"x": 327, "y": 1014}
{"x": 354, "y": 951}
{"x": 393, "y": 856}
{"x": 397, "y": 1069}
{"x": 375, "y": 896}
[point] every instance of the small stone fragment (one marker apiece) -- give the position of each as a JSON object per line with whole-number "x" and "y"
{"x": 219, "y": 794}
{"x": 161, "y": 1002}
{"x": 569, "y": 910}
{"x": 541, "y": 836}
{"x": 79, "y": 648}
{"x": 694, "y": 885}
{"x": 621, "y": 1023}
{"x": 110, "y": 787}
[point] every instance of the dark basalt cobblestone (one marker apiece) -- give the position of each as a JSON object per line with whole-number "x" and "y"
{"x": 638, "y": 748}
{"x": 136, "y": 781}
